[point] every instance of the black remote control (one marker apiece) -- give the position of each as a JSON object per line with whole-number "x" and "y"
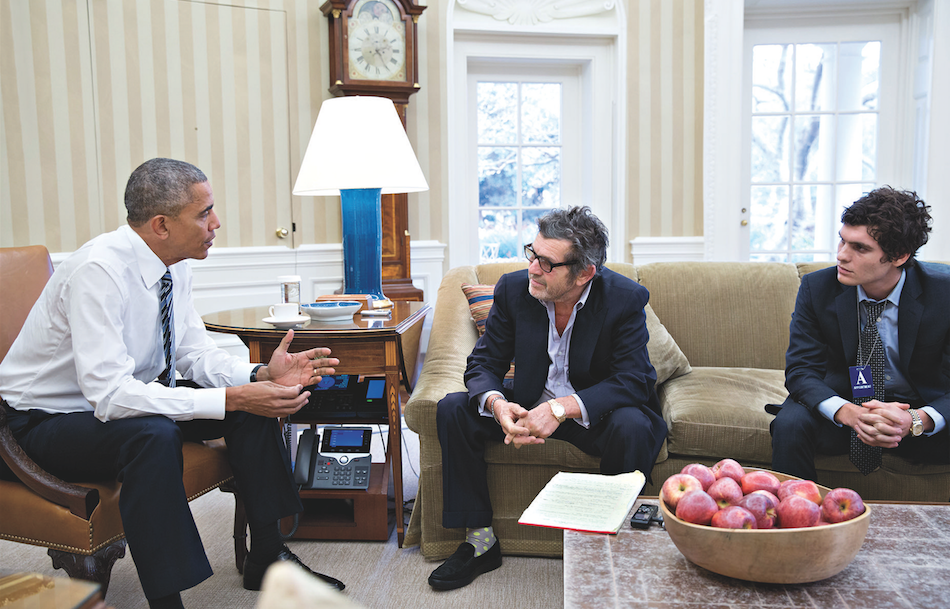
{"x": 643, "y": 516}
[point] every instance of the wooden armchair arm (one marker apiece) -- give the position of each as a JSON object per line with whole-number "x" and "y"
{"x": 80, "y": 500}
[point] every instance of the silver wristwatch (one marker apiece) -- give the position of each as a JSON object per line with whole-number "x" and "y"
{"x": 917, "y": 426}
{"x": 557, "y": 409}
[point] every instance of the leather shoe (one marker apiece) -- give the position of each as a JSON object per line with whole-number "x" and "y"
{"x": 254, "y": 573}
{"x": 463, "y": 566}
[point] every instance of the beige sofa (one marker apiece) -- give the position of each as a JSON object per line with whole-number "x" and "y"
{"x": 729, "y": 321}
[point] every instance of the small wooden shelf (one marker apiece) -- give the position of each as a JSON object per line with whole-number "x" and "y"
{"x": 346, "y": 514}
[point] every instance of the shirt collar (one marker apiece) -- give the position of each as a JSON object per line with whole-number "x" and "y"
{"x": 150, "y": 266}
{"x": 894, "y": 297}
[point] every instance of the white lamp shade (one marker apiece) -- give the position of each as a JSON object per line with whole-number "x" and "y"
{"x": 358, "y": 142}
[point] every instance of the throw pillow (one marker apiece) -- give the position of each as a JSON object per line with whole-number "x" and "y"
{"x": 667, "y": 358}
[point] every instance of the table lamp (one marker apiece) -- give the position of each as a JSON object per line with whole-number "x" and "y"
{"x": 359, "y": 150}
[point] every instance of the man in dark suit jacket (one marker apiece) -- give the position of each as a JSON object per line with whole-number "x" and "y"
{"x": 880, "y": 235}
{"x": 577, "y": 333}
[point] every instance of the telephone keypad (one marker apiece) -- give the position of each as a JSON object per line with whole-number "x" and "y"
{"x": 332, "y": 474}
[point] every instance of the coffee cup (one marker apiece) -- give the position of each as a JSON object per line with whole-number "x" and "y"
{"x": 285, "y": 311}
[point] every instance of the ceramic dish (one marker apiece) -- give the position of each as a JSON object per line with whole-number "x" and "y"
{"x": 285, "y": 324}
{"x": 332, "y": 310}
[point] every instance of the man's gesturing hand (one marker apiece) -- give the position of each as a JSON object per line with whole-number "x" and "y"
{"x": 304, "y": 368}
{"x": 266, "y": 399}
{"x": 509, "y": 415}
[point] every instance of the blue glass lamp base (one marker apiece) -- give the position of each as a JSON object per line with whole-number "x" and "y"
{"x": 362, "y": 242}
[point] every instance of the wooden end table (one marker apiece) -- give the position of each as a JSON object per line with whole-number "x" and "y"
{"x": 364, "y": 346}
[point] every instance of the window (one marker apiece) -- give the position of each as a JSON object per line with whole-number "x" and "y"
{"x": 518, "y": 126}
{"x": 820, "y": 126}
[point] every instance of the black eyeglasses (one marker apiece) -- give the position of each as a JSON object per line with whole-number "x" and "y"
{"x": 546, "y": 265}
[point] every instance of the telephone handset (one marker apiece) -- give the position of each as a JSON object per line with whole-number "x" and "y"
{"x": 342, "y": 461}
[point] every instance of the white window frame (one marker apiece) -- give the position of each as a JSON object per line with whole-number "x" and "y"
{"x": 598, "y": 61}
{"x": 886, "y": 170}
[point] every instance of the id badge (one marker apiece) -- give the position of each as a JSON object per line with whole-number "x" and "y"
{"x": 862, "y": 384}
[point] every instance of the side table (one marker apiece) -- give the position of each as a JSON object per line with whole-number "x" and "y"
{"x": 364, "y": 346}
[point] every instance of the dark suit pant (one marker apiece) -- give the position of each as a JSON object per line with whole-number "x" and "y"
{"x": 798, "y": 434}
{"x": 144, "y": 454}
{"x": 623, "y": 441}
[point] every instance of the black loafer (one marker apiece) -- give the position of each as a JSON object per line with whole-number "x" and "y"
{"x": 463, "y": 567}
{"x": 254, "y": 573}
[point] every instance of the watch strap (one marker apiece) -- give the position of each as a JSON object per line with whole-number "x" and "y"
{"x": 254, "y": 372}
{"x": 917, "y": 426}
{"x": 560, "y": 407}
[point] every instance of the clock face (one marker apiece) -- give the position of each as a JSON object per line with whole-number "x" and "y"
{"x": 377, "y": 42}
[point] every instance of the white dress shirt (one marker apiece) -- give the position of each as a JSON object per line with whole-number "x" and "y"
{"x": 93, "y": 340}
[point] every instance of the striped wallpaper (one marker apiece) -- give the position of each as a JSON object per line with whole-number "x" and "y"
{"x": 91, "y": 88}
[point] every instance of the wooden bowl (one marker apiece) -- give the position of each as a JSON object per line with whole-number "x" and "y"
{"x": 775, "y": 556}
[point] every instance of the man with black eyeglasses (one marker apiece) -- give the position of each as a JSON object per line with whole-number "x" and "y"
{"x": 577, "y": 334}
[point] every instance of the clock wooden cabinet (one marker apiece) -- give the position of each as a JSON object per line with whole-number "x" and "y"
{"x": 374, "y": 51}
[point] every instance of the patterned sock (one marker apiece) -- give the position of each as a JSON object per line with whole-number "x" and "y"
{"x": 483, "y": 539}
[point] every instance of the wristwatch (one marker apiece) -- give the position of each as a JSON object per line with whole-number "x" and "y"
{"x": 557, "y": 410}
{"x": 917, "y": 427}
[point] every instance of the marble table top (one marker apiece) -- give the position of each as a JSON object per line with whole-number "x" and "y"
{"x": 904, "y": 562}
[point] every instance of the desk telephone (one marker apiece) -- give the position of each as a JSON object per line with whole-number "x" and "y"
{"x": 342, "y": 461}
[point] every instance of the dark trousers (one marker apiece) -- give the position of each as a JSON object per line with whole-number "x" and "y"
{"x": 144, "y": 454}
{"x": 624, "y": 441}
{"x": 798, "y": 434}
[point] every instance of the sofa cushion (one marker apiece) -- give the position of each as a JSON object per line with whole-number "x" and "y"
{"x": 665, "y": 355}
{"x": 719, "y": 412}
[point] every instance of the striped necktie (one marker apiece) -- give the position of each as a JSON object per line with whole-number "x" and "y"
{"x": 870, "y": 350}
{"x": 167, "y": 377}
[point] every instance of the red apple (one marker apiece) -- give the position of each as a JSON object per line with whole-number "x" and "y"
{"x": 678, "y": 485}
{"x": 768, "y": 494}
{"x": 734, "y": 517}
{"x": 841, "y": 504}
{"x": 701, "y": 473}
{"x": 759, "y": 480}
{"x": 730, "y": 468}
{"x": 762, "y": 504}
{"x": 805, "y": 488}
{"x": 696, "y": 507}
{"x": 797, "y": 512}
{"x": 725, "y": 492}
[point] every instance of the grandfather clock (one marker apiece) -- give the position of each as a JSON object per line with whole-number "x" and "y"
{"x": 374, "y": 51}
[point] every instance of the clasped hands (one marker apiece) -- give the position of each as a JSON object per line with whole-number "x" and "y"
{"x": 279, "y": 390}
{"x": 522, "y": 426}
{"x": 882, "y": 424}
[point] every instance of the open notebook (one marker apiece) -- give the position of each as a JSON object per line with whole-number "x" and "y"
{"x": 585, "y": 502}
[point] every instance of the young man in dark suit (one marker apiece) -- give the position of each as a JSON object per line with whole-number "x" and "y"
{"x": 577, "y": 333}
{"x": 908, "y": 398}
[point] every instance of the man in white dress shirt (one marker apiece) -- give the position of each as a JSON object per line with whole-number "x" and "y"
{"x": 88, "y": 391}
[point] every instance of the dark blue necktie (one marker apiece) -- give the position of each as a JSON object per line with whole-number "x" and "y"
{"x": 870, "y": 350}
{"x": 167, "y": 377}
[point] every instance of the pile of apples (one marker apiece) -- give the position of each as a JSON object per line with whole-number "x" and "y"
{"x": 727, "y": 497}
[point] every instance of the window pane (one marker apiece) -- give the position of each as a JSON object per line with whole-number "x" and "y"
{"x": 497, "y": 175}
{"x": 771, "y": 78}
{"x": 498, "y": 235}
{"x": 541, "y": 113}
{"x": 812, "y": 227}
{"x": 541, "y": 168}
{"x": 529, "y": 224}
{"x": 857, "y": 147}
{"x": 814, "y": 147}
{"x": 768, "y": 257}
{"x": 497, "y": 117}
{"x": 770, "y": 135}
{"x": 860, "y": 75}
{"x": 815, "y": 77}
{"x": 769, "y": 212}
{"x": 845, "y": 195}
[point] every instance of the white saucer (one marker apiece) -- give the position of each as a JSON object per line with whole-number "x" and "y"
{"x": 286, "y": 324}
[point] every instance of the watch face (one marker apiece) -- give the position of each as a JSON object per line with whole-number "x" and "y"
{"x": 377, "y": 42}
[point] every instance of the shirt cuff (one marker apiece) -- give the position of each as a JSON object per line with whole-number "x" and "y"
{"x": 242, "y": 373}
{"x": 584, "y": 421}
{"x": 482, "y": 409}
{"x": 831, "y": 406}
{"x": 939, "y": 421}
{"x": 209, "y": 403}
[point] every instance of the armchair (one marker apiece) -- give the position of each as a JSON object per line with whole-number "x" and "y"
{"x": 79, "y": 523}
